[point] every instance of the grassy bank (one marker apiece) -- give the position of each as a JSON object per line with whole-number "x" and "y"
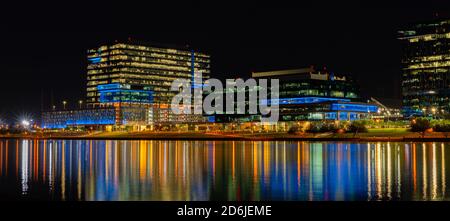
{"x": 381, "y": 134}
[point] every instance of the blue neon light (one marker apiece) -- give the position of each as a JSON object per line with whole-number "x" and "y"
{"x": 108, "y": 86}
{"x": 212, "y": 119}
{"x": 88, "y": 121}
{"x": 95, "y": 60}
{"x": 354, "y": 107}
{"x": 304, "y": 100}
{"x": 59, "y": 120}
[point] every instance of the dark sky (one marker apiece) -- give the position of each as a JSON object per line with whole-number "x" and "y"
{"x": 44, "y": 51}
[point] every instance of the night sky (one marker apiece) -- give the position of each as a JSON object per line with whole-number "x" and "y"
{"x": 44, "y": 51}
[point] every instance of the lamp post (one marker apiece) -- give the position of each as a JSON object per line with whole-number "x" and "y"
{"x": 433, "y": 111}
{"x": 80, "y": 102}
{"x": 64, "y": 104}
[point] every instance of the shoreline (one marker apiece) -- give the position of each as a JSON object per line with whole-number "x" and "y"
{"x": 223, "y": 137}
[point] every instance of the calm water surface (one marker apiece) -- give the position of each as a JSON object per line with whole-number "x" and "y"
{"x": 223, "y": 170}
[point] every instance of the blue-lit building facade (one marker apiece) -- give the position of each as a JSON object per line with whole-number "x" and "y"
{"x": 61, "y": 119}
{"x": 308, "y": 94}
{"x": 147, "y": 65}
{"x": 144, "y": 64}
{"x": 133, "y": 80}
{"x": 120, "y": 104}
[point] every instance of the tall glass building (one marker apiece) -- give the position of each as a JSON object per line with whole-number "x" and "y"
{"x": 426, "y": 68}
{"x": 142, "y": 64}
{"x": 128, "y": 85}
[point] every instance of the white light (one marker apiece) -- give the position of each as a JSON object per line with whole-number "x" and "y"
{"x": 26, "y": 123}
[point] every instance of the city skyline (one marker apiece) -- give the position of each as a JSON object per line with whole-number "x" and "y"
{"x": 220, "y": 110}
{"x": 333, "y": 40}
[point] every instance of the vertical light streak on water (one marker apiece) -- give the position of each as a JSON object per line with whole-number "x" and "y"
{"x": 369, "y": 169}
{"x": 424, "y": 171}
{"x": 70, "y": 163}
{"x": 414, "y": 168}
{"x": 298, "y": 166}
{"x": 165, "y": 162}
{"x": 434, "y": 173}
{"x": 184, "y": 163}
{"x": 1, "y": 157}
{"x": 317, "y": 171}
{"x": 389, "y": 172}
{"x": 63, "y": 171}
{"x": 151, "y": 161}
{"x": 285, "y": 177}
{"x": 378, "y": 171}
{"x": 24, "y": 166}
{"x": 44, "y": 161}
{"x": 443, "y": 186}
{"x": 276, "y": 159}
{"x": 214, "y": 162}
{"x": 116, "y": 165}
{"x": 50, "y": 166}
{"x": 6, "y": 158}
{"x": 233, "y": 162}
{"x": 80, "y": 178}
{"x": 254, "y": 161}
{"x": 399, "y": 173}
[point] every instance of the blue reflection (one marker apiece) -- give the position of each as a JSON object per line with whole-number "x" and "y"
{"x": 224, "y": 170}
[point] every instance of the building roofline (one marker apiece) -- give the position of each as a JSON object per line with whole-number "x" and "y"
{"x": 150, "y": 43}
{"x": 283, "y": 72}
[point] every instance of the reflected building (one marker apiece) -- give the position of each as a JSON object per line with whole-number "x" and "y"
{"x": 223, "y": 170}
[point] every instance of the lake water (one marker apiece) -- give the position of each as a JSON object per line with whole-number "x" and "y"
{"x": 223, "y": 170}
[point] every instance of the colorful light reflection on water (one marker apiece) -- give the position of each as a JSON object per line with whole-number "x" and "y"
{"x": 222, "y": 170}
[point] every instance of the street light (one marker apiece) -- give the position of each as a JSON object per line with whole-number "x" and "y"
{"x": 25, "y": 123}
{"x": 80, "y": 102}
{"x": 64, "y": 104}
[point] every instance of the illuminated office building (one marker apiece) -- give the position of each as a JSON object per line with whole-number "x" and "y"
{"x": 128, "y": 85}
{"x": 145, "y": 65}
{"x": 426, "y": 68}
{"x": 142, "y": 64}
{"x": 310, "y": 94}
